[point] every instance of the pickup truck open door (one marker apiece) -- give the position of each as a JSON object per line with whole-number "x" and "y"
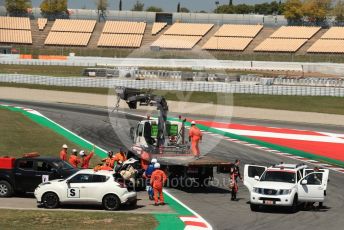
{"x": 312, "y": 187}
{"x": 250, "y": 171}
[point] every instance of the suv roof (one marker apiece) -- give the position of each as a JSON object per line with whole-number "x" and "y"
{"x": 289, "y": 166}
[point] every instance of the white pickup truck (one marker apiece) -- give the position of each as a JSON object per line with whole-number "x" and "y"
{"x": 284, "y": 185}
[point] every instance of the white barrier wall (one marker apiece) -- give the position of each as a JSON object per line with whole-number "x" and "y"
{"x": 215, "y": 87}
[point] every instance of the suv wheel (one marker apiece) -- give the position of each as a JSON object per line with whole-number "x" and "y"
{"x": 295, "y": 206}
{"x": 6, "y": 189}
{"x": 50, "y": 200}
{"x": 254, "y": 207}
{"x": 111, "y": 202}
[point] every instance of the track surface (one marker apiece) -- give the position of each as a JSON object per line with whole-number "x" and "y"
{"x": 212, "y": 203}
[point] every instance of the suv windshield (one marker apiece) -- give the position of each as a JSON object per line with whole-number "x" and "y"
{"x": 62, "y": 165}
{"x": 279, "y": 176}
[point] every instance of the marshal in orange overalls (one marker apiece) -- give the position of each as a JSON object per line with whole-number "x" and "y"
{"x": 195, "y": 135}
{"x": 157, "y": 181}
{"x": 74, "y": 161}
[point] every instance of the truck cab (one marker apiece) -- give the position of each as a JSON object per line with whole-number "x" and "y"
{"x": 284, "y": 185}
{"x": 23, "y": 175}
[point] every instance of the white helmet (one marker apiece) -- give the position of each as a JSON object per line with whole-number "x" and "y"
{"x": 156, "y": 165}
{"x": 64, "y": 146}
{"x": 154, "y": 160}
{"x": 193, "y": 122}
{"x": 82, "y": 153}
{"x": 75, "y": 151}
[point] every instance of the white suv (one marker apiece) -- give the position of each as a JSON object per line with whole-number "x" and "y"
{"x": 86, "y": 187}
{"x": 284, "y": 185}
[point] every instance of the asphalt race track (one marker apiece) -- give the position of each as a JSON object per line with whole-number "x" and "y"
{"x": 211, "y": 203}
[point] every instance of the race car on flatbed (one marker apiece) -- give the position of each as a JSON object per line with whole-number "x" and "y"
{"x": 24, "y": 174}
{"x": 284, "y": 185}
{"x": 165, "y": 140}
{"x": 86, "y": 187}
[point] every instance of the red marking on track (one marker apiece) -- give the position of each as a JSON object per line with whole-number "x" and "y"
{"x": 194, "y": 223}
{"x": 330, "y": 150}
{"x": 257, "y": 128}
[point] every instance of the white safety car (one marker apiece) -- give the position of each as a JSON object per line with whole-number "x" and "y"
{"x": 86, "y": 187}
{"x": 284, "y": 185}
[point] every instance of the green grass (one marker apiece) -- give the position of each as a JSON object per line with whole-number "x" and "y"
{"x": 56, "y": 71}
{"x": 29, "y": 220}
{"x": 319, "y": 104}
{"x": 21, "y": 135}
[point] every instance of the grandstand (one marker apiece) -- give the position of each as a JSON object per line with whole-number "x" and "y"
{"x": 122, "y": 34}
{"x": 287, "y": 39}
{"x": 66, "y": 32}
{"x": 42, "y": 22}
{"x": 229, "y": 30}
{"x": 233, "y": 37}
{"x": 280, "y": 45}
{"x": 330, "y": 42}
{"x": 157, "y": 27}
{"x": 182, "y": 36}
{"x": 15, "y": 30}
{"x": 176, "y": 42}
{"x": 237, "y": 38}
{"x": 296, "y": 32}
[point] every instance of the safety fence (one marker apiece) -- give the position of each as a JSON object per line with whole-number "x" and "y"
{"x": 215, "y": 87}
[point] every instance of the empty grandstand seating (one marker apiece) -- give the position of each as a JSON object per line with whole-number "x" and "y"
{"x": 70, "y": 32}
{"x": 15, "y": 30}
{"x": 327, "y": 46}
{"x": 15, "y": 23}
{"x": 68, "y": 25}
{"x": 157, "y": 27}
{"x": 280, "y": 45}
{"x": 229, "y": 30}
{"x": 305, "y": 32}
{"x": 120, "y": 40}
{"x": 176, "y": 42}
{"x": 122, "y": 27}
{"x": 67, "y": 38}
{"x": 122, "y": 34}
{"x": 189, "y": 29}
{"x": 42, "y": 22}
{"x": 227, "y": 43}
{"x": 15, "y": 36}
{"x": 334, "y": 33}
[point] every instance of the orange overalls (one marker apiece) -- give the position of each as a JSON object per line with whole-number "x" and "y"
{"x": 109, "y": 162}
{"x": 85, "y": 162}
{"x": 120, "y": 157}
{"x": 74, "y": 161}
{"x": 157, "y": 181}
{"x": 145, "y": 160}
{"x": 63, "y": 155}
{"x": 195, "y": 136}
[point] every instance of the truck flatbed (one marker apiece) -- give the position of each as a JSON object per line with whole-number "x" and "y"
{"x": 191, "y": 160}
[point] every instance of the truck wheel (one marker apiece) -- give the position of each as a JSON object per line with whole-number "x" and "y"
{"x": 295, "y": 206}
{"x": 254, "y": 207}
{"x": 111, "y": 202}
{"x": 6, "y": 189}
{"x": 50, "y": 200}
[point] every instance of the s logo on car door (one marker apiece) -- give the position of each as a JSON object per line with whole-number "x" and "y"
{"x": 73, "y": 193}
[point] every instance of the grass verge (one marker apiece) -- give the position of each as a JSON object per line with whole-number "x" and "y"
{"x": 318, "y": 104}
{"x": 55, "y": 71}
{"x": 20, "y": 219}
{"x": 22, "y": 135}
